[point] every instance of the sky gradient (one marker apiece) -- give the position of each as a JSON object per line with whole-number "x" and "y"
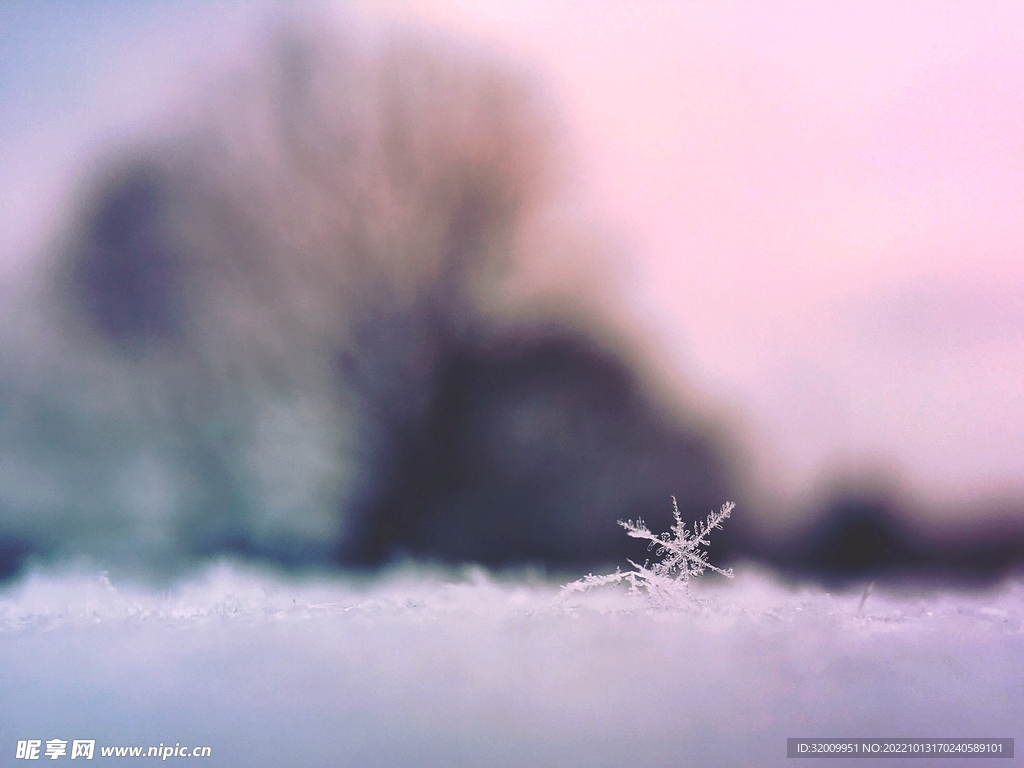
{"x": 820, "y": 205}
{"x": 812, "y": 210}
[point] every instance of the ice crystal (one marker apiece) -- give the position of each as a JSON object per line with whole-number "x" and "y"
{"x": 666, "y": 581}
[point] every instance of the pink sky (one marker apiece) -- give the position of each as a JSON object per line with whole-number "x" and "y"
{"x": 815, "y": 205}
{"x": 820, "y": 206}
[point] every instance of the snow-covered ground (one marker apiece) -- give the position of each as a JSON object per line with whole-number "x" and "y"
{"x": 428, "y": 667}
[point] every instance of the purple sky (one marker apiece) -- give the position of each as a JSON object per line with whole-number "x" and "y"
{"x": 812, "y": 208}
{"x": 820, "y": 206}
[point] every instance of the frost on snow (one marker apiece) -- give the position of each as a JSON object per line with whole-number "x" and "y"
{"x": 665, "y": 582}
{"x": 430, "y": 667}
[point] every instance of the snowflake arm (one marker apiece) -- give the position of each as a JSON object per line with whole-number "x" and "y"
{"x": 680, "y": 553}
{"x": 682, "y": 557}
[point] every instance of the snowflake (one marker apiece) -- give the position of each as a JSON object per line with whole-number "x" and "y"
{"x": 667, "y": 580}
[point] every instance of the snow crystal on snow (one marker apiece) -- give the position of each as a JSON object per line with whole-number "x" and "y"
{"x": 431, "y": 667}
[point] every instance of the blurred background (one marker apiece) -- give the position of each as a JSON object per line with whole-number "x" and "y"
{"x": 818, "y": 211}
{"x": 806, "y": 214}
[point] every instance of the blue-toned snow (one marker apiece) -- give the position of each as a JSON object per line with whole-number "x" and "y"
{"x": 424, "y": 667}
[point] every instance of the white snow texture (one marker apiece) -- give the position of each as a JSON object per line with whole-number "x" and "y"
{"x": 424, "y": 667}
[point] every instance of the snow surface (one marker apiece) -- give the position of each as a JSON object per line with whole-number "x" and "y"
{"x": 430, "y": 667}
